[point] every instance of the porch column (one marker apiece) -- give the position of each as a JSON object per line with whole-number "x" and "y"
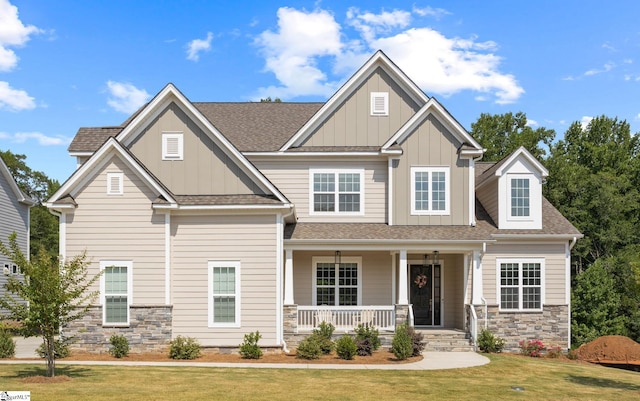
{"x": 476, "y": 298}
{"x": 288, "y": 277}
{"x": 403, "y": 283}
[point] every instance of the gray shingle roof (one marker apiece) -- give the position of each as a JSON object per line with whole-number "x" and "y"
{"x": 220, "y": 200}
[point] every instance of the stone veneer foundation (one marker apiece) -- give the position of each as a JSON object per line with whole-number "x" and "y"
{"x": 551, "y": 326}
{"x": 149, "y": 330}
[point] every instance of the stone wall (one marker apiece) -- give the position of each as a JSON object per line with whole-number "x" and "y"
{"x": 149, "y": 330}
{"x": 551, "y": 326}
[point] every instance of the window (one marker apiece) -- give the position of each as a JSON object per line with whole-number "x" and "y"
{"x": 337, "y": 284}
{"x": 15, "y": 270}
{"x": 116, "y": 291}
{"x": 224, "y": 294}
{"x": 521, "y": 284}
{"x": 379, "y": 103}
{"x": 337, "y": 192}
{"x": 520, "y": 197}
{"x": 172, "y": 146}
{"x": 114, "y": 184}
{"x": 430, "y": 190}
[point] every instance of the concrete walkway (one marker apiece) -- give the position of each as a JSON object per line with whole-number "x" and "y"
{"x": 432, "y": 361}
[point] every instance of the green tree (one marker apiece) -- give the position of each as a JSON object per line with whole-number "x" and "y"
{"x": 39, "y": 187}
{"x": 501, "y": 134}
{"x": 56, "y": 294}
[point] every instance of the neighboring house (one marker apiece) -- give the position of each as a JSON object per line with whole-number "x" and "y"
{"x": 14, "y": 217}
{"x": 213, "y": 220}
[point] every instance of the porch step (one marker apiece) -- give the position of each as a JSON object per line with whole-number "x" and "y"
{"x": 446, "y": 340}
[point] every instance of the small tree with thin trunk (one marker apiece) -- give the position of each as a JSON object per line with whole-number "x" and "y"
{"x": 55, "y": 294}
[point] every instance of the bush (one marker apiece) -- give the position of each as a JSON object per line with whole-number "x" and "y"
{"x": 531, "y": 348}
{"x": 487, "y": 342}
{"x": 346, "y": 348}
{"x": 184, "y": 348}
{"x": 60, "y": 349}
{"x": 364, "y": 347}
{"x": 366, "y": 332}
{"x": 572, "y": 354}
{"x": 120, "y": 346}
{"x": 402, "y": 346}
{"x": 309, "y": 348}
{"x": 417, "y": 341}
{"x": 7, "y": 344}
{"x": 554, "y": 352}
{"x": 249, "y": 349}
{"x": 322, "y": 336}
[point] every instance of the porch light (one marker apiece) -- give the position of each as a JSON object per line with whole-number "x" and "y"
{"x": 436, "y": 261}
{"x": 338, "y": 257}
{"x": 425, "y": 261}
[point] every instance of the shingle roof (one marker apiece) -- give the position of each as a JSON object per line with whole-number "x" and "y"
{"x": 89, "y": 139}
{"x": 219, "y": 200}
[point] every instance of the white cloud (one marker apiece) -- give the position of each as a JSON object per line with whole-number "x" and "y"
{"x": 606, "y": 68}
{"x": 196, "y": 46}
{"x": 584, "y": 121}
{"x": 125, "y": 97}
{"x": 14, "y": 99}
{"x": 438, "y": 64}
{"x": 42, "y": 139}
{"x": 532, "y": 123}
{"x": 13, "y": 33}
{"x": 430, "y": 11}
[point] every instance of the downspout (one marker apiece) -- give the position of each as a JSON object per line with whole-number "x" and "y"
{"x": 484, "y": 301}
{"x": 281, "y": 320}
{"x": 568, "y": 289}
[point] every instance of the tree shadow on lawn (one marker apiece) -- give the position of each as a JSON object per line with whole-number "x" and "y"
{"x": 597, "y": 382}
{"x": 40, "y": 371}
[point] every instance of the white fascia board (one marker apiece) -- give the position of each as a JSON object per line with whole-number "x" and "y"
{"x": 14, "y": 186}
{"x": 522, "y": 152}
{"x": 379, "y": 59}
{"x": 64, "y": 206}
{"x": 80, "y": 154}
{"x": 379, "y": 245}
{"x": 538, "y": 237}
{"x": 314, "y": 154}
{"x": 224, "y": 207}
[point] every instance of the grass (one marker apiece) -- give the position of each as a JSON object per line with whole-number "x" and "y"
{"x": 541, "y": 379}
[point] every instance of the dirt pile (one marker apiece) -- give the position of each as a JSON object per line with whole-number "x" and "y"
{"x": 611, "y": 349}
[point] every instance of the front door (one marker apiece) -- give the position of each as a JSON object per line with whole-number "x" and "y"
{"x": 426, "y": 294}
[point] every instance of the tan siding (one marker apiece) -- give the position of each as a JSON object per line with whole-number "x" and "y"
{"x": 292, "y": 178}
{"x": 352, "y": 125}
{"x": 196, "y": 240}
{"x": 553, "y": 255}
{"x": 120, "y": 227}
{"x": 488, "y": 196}
{"x": 206, "y": 168}
{"x": 454, "y": 291}
{"x": 431, "y": 145}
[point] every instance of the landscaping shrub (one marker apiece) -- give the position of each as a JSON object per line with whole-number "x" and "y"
{"x": 417, "y": 341}
{"x": 309, "y": 348}
{"x": 487, "y": 342}
{"x": 120, "y": 346}
{"x": 249, "y": 349}
{"x": 364, "y": 347}
{"x": 323, "y": 337}
{"x": 572, "y": 354}
{"x": 184, "y": 348}
{"x": 367, "y": 332}
{"x": 402, "y": 346}
{"x": 554, "y": 352}
{"x": 533, "y": 348}
{"x": 346, "y": 348}
{"x": 60, "y": 349}
{"x": 7, "y": 344}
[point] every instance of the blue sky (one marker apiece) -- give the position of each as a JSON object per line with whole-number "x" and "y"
{"x": 68, "y": 64}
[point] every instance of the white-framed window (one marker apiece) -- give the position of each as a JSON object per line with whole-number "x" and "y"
{"x": 520, "y": 197}
{"x": 115, "y": 184}
{"x": 172, "y": 146}
{"x": 379, "y": 103}
{"x": 224, "y": 293}
{"x": 337, "y": 284}
{"x": 15, "y": 270}
{"x": 430, "y": 191}
{"x": 116, "y": 291}
{"x": 336, "y": 192}
{"x": 520, "y": 284}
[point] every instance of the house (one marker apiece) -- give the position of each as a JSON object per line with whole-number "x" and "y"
{"x": 214, "y": 220}
{"x": 15, "y": 207}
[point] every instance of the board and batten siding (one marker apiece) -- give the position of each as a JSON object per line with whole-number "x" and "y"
{"x": 120, "y": 227}
{"x": 197, "y": 240}
{"x": 554, "y": 268}
{"x": 352, "y": 124}
{"x": 291, "y": 177}
{"x": 206, "y": 169}
{"x": 431, "y": 145}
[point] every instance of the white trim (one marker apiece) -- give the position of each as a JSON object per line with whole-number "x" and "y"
{"x": 116, "y": 263}
{"x": 472, "y": 192}
{"x": 20, "y": 197}
{"x": 379, "y": 104}
{"x": 403, "y": 279}
{"x": 390, "y": 190}
{"x": 522, "y": 152}
{"x": 168, "y": 153}
{"x": 336, "y": 173}
{"x": 288, "y": 278}
{"x": 222, "y": 207}
{"x": 330, "y": 259}
{"x": 394, "y": 269}
{"x": 216, "y": 264}
{"x": 534, "y": 220}
{"x": 447, "y": 182}
{"x": 279, "y": 281}
{"x": 476, "y": 277}
{"x": 528, "y": 178}
{"x": 62, "y": 227}
{"x": 167, "y": 259}
{"x": 117, "y": 189}
{"x": 519, "y": 262}
{"x": 567, "y": 288}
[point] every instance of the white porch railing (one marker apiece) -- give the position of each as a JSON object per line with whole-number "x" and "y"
{"x": 346, "y": 318}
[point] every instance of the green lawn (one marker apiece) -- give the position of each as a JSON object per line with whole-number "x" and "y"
{"x": 541, "y": 379}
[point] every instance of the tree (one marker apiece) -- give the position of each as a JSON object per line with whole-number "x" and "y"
{"x": 501, "y": 134}
{"x": 56, "y": 294}
{"x": 39, "y": 187}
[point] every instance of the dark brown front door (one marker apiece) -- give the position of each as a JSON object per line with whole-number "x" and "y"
{"x": 426, "y": 294}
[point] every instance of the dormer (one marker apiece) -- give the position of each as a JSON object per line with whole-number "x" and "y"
{"x": 517, "y": 182}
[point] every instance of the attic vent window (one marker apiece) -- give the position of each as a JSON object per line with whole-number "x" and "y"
{"x": 114, "y": 184}
{"x": 379, "y": 103}
{"x": 172, "y": 146}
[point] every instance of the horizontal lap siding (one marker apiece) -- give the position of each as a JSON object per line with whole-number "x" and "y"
{"x": 120, "y": 227}
{"x": 196, "y": 240}
{"x": 554, "y": 256}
